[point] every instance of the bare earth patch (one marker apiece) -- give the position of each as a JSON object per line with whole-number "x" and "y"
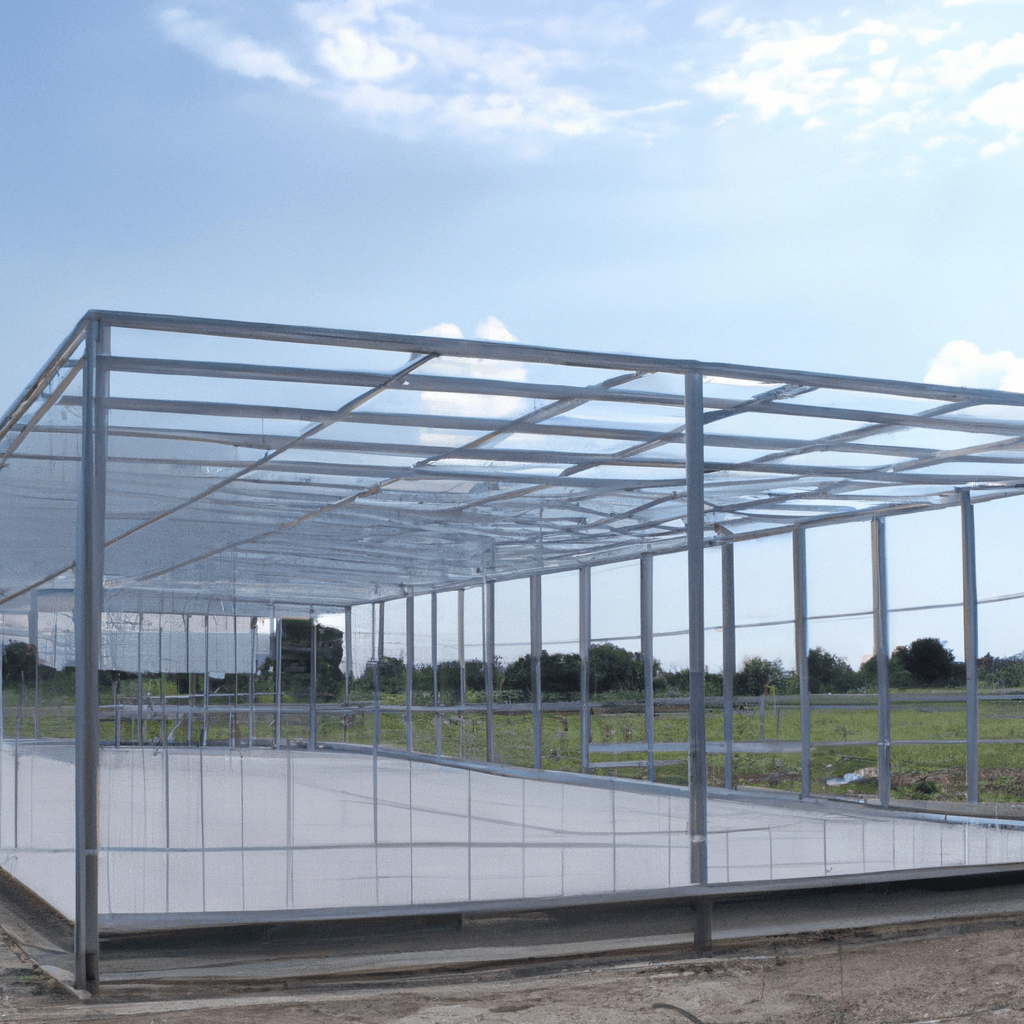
{"x": 966, "y": 976}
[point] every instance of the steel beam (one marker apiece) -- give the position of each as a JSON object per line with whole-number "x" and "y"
{"x": 410, "y": 654}
{"x": 970, "y": 583}
{"x": 88, "y": 651}
{"x": 800, "y": 637}
{"x": 697, "y": 755}
{"x": 584, "y": 608}
{"x": 348, "y": 650}
{"x": 438, "y": 723}
{"x": 535, "y": 674}
{"x": 647, "y": 652}
{"x": 312, "y": 679}
{"x": 728, "y": 652}
{"x": 880, "y": 581}
{"x": 488, "y": 653}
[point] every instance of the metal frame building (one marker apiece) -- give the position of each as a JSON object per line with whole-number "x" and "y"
{"x": 339, "y": 468}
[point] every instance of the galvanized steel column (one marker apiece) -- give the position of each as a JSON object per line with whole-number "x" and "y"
{"x": 647, "y": 652}
{"x": 91, "y": 537}
{"x": 970, "y": 576}
{"x": 438, "y": 736}
{"x": 312, "y": 680}
{"x": 462, "y": 648}
{"x": 348, "y": 650}
{"x": 488, "y": 617}
{"x": 410, "y": 642}
{"x": 585, "y": 668}
{"x": 728, "y": 652}
{"x": 880, "y": 581}
{"x": 697, "y": 758}
{"x": 535, "y": 649}
{"x": 278, "y": 640}
{"x": 800, "y": 634}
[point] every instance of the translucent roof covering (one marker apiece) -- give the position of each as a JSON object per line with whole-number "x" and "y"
{"x": 256, "y": 463}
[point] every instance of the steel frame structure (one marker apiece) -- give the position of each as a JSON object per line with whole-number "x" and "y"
{"x": 444, "y": 465}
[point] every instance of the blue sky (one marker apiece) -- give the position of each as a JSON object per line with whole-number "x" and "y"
{"x": 795, "y": 184}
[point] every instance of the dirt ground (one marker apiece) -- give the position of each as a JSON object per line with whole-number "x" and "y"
{"x": 974, "y": 975}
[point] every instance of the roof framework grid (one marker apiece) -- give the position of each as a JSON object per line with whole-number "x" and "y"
{"x": 372, "y": 465}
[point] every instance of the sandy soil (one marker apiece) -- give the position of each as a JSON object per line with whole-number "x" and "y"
{"x": 971, "y": 976}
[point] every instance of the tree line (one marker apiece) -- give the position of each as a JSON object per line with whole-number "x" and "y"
{"x": 927, "y": 663}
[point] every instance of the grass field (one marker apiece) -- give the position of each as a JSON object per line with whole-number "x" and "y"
{"x": 928, "y": 769}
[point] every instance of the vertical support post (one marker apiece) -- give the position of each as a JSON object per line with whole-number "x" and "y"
{"x": 348, "y": 650}
{"x": 728, "y": 652}
{"x": 698, "y": 765}
{"x": 970, "y": 573}
{"x": 535, "y": 655}
{"x": 376, "y": 696}
{"x": 438, "y": 736}
{"x": 188, "y": 674}
{"x": 647, "y": 652}
{"x": 312, "y": 679}
{"x": 462, "y": 648}
{"x": 140, "y": 726}
{"x": 410, "y": 641}
{"x": 489, "y": 665}
{"x": 879, "y": 576}
{"x": 206, "y": 679}
{"x": 800, "y": 635}
{"x": 91, "y": 537}
{"x": 462, "y": 672}
{"x": 278, "y": 640}
{"x": 252, "y": 677}
{"x": 585, "y": 669}
{"x": 33, "y": 639}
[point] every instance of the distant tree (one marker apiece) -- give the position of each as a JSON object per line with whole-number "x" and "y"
{"x": 19, "y": 658}
{"x": 829, "y": 673}
{"x": 929, "y": 661}
{"x": 899, "y": 677}
{"x": 759, "y": 675}
{"x": 613, "y": 668}
{"x": 296, "y": 636}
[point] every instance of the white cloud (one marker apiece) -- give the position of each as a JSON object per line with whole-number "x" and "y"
{"x": 443, "y": 330}
{"x": 960, "y": 68}
{"x": 240, "y": 54}
{"x": 802, "y": 69}
{"x": 1001, "y": 107}
{"x": 492, "y": 329}
{"x": 963, "y": 363}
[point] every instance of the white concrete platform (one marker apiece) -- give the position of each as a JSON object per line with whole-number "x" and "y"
{"x": 192, "y": 831}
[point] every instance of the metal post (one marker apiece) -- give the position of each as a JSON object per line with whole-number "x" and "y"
{"x": 188, "y": 675}
{"x": 647, "y": 652}
{"x": 585, "y": 668}
{"x": 252, "y": 678}
{"x": 312, "y": 680}
{"x": 438, "y": 736}
{"x": 348, "y": 650}
{"x": 410, "y": 642}
{"x": 140, "y": 720}
{"x": 462, "y": 673}
{"x": 33, "y": 639}
{"x": 881, "y": 618}
{"x": 376, "y": 695}
{"x": 206, "y": 678}
{"x": 279, "y": 638}
{"x": 800, "y": 634}
{"x": 535, "y": 656}
{"x": 462, "y": 648}
{"x": 970, "y": 577}
{"x": 728, "y": 652}
{"x": 488, "y": 593}
{"x": 91, "y": 537}
{"x": 698, "y": 767}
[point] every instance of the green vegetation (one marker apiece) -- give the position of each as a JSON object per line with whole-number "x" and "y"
{"x": 843, "y": 712}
